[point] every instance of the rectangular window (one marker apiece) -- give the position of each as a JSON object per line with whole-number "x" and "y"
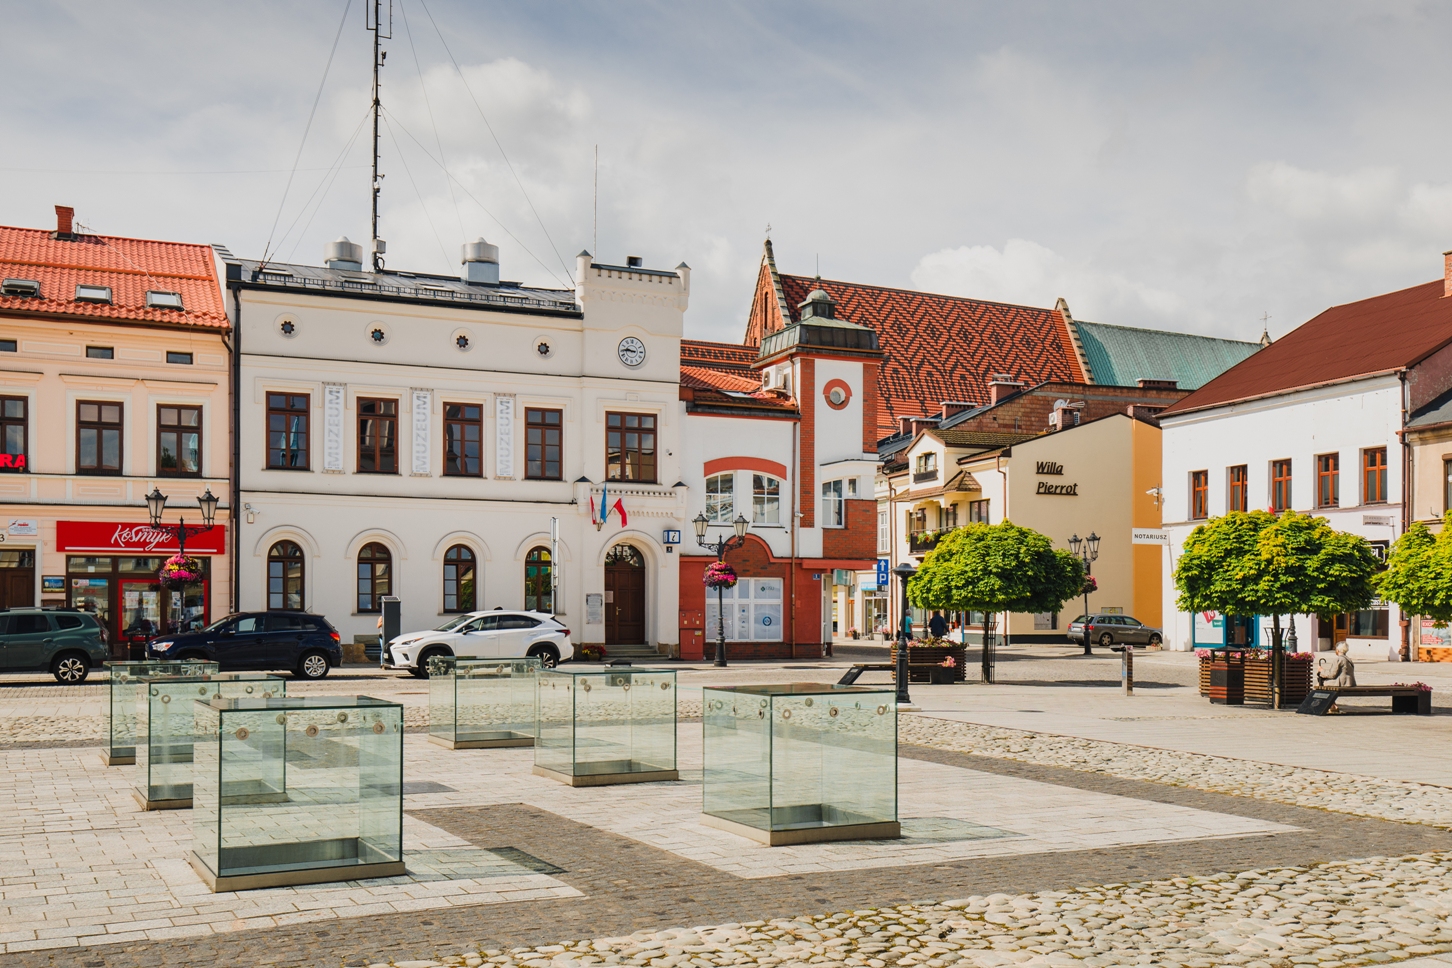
{"x": 1446, "y": 486}
{"x": 630, "y": 447}
{"x": 14, "y": 430}
{"x": 543, "y": 444}
{"x": 1370, "y": 624}
{"x": 100, "y": 353}
{"x": 1280, "y": 485}
{"x": 721, "y": 498}
{"x": 377, "y": 436}
{"x": 1239, "y": 495}
{"x": 179, "y": 441}
{"x": 950, "y": 516}
{"x": 978, "y": 512}
{"x": 8, "y": 346}
{"x": 1199, "y": 495}
{"x": 765, "y": 499}
{"x": 1328, "y": 480}
{"x": 185, "y": 358}
{"x": 884, "y": 539}
{"x": 834, "y": 505}
{"x": 1373, "y": 475}
{"x": 287, "y": 431}
{"x": 98, "y": 437}
{"x": 463, "y": 440}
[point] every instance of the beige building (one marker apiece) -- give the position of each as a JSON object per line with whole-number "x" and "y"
{"x": 1099, "y": 477}
{"x": 113, "y": 381}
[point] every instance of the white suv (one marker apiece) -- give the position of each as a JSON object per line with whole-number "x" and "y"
{"x": 483, "y": 635}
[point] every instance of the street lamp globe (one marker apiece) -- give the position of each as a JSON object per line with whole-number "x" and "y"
{"x": 208, "y": 503}
{"x": 1074, "y": 543}
{"x": 740, "y": 524}
{"x": 155, "y": 504}
{"x": 700, "y": 522}
{"x": 1093, "y": 545}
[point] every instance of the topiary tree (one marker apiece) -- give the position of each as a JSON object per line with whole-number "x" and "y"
{"x": 1418, "y": 576}
{"x": 992, "y": 568}
{"x": 1258, "y": 563}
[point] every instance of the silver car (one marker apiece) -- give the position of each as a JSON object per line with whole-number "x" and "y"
{"x": 498, "y": 634}
{"x": 1114, "y": 630}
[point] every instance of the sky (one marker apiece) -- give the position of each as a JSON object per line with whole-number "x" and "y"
{"x": 1187, "y": 167}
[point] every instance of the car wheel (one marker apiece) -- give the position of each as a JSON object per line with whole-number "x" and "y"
{"x": 70, "y": 668}
{"x": 313, "y": 665}
{"x": 1154, "y": 641}
{"x": 421, "y": 664}
{"x": 1106, "y": 640}
{"x": 548, "y": 655}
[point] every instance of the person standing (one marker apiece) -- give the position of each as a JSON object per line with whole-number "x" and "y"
{"x": 937, "y": 626}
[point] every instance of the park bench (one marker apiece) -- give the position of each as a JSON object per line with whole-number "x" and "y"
{"x": 1405, "y": 699}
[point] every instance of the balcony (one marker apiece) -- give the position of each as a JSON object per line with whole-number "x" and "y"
{"x": 928, "y": 475}
{"x": 921, "y": 542}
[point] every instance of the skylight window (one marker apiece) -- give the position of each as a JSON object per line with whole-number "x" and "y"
{"x": 163, "y": 300}
{"x": 93, "y": 294}
{"x": 274, "y": 271}
{"x": 20, "y": 287}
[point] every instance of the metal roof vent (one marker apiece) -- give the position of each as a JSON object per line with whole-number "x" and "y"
{"x": 20, "y": 287}
{"x": 481, "y": 262}
{"x": 343, "y": 254}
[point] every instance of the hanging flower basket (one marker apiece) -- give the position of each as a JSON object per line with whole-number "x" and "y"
{"x": 719, "y": 575}
{"x": 1090, "y": 585}
{"x": 179, "y": 571}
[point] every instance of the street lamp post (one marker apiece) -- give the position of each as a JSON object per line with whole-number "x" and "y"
{"x": 903, "y": 571}
{"x": 156, "y": 503}
{"x": 720, "y": 547}
{"x": 1088, "y": 551}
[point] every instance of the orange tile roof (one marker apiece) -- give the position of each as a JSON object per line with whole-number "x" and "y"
{"x": 1383, "y": 334}
{"x": 720, "y": 375}
{"x": 130, "y": 267}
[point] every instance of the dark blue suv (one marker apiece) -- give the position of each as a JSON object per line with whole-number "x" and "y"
{"x": 301, "y": 643}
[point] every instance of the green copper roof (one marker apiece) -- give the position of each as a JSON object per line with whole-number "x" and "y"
{"x": 1121, "y": 356}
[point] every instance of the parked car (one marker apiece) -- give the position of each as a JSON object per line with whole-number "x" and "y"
{"x": 65, "y": 642}
{"x": 1109, "y": 630}
{"x": 483, "y": 635}
{"x": 299, "y": 642}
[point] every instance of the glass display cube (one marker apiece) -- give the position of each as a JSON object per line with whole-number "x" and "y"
{"x": 601, "y": 727}
{"x": 166, "y": 727}
{"x": 297, "y": 791}
{"x": 126, "y": 691}
{"x": 798, "y": 763}
{"x": 475, "y": 703}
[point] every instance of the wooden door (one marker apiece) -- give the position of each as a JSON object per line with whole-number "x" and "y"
{"x": 17, "y": 587}
{"x": 624, "y": 596}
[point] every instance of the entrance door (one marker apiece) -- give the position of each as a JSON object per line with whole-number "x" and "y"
{"x": 624, "y": 596}
{"x": 17, "y": 579}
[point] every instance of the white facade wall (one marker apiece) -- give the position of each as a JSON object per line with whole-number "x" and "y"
{"x": 1344, "y": 419}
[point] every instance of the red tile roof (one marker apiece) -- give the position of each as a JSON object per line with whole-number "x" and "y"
{"x": 937, "y": 348}
{"x": 718, "y": 355}
{"x": 130, "y": 267}
{"x": 1382, "y": 334}
{"x": 712, "y": 372}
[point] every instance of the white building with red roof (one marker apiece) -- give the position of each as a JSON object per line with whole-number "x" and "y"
{"x": 113, "y": 382}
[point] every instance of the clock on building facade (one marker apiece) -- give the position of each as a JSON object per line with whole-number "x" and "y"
{"x": 632, "y": 351}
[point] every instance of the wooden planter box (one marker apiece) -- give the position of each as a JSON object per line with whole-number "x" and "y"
{"x": 925, "y": 655}
{"x": 1253, "y": 670}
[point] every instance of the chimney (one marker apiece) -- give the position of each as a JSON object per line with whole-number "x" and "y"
{"x": 481, "y": 262}
{"x": 951, "y": 407}
{"x": 65, "y": 222}
{"x": 1065, "y": 414}
{"x": 904, "y": 425}
{"x": 1145, "y": 384}
{"x": 343, "y": 254}
{"x": 1446, "y": 271}
{"x": 1002, "y": 386}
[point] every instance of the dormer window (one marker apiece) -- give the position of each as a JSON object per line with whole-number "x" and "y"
{"x": 93, "y": 294}
{"x": 156, "y": 299}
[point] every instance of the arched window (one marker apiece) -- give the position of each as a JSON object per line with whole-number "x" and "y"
{"x": 375, "y": 576}
{"x": 459, "y": 579}
{"x": 537, "y": 565}
{"x": 285, "y": 570}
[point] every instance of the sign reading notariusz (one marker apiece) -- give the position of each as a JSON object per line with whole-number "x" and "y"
{"x": 1047, "y": 468}
{"x": 1149, "y": 536}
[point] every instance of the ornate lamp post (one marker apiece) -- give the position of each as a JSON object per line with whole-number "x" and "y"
{"x": 903, "y": 571}
{"x": 720, "y": 547}
{"x": 156, "y": 503}
{"x": 1088, "y": 551}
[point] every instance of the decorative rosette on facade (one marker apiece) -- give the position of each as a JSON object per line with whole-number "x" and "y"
{"x": 180, "y": 570}
{"x": 719, "y": 575}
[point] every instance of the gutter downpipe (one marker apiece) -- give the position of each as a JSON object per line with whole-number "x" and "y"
{"x": 1405, "y": 652}
{"x": 796, "y": 480}
{"x": 236, "y": 448}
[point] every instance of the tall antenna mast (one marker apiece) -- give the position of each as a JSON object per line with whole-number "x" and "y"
{"x": 374, "y": 22}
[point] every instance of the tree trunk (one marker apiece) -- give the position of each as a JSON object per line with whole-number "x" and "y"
{"x": 1275, "y": 662}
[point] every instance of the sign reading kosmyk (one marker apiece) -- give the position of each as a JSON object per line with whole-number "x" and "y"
{"x": 122, "y": 537}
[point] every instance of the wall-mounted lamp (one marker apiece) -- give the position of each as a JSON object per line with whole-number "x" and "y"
{"x": 251, "y": 514}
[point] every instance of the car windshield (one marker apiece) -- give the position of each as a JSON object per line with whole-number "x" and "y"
{"x": 452, "y": 623}
{"x": 1078, "y": 621}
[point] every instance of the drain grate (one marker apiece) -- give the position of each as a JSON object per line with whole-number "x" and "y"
{"x": 528, "y": 861}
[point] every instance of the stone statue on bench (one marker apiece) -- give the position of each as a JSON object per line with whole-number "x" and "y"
{"x": 1335, "y": 670}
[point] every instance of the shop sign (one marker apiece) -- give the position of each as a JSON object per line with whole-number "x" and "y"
{"x": 112, "y": 537}
{"x": 1149, "y": 536}
{"x": 1067, "y": 490}
{"x": 52, "y": 584}
{"x": 22, "y": 529}
{"x": 12, "y": 462}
